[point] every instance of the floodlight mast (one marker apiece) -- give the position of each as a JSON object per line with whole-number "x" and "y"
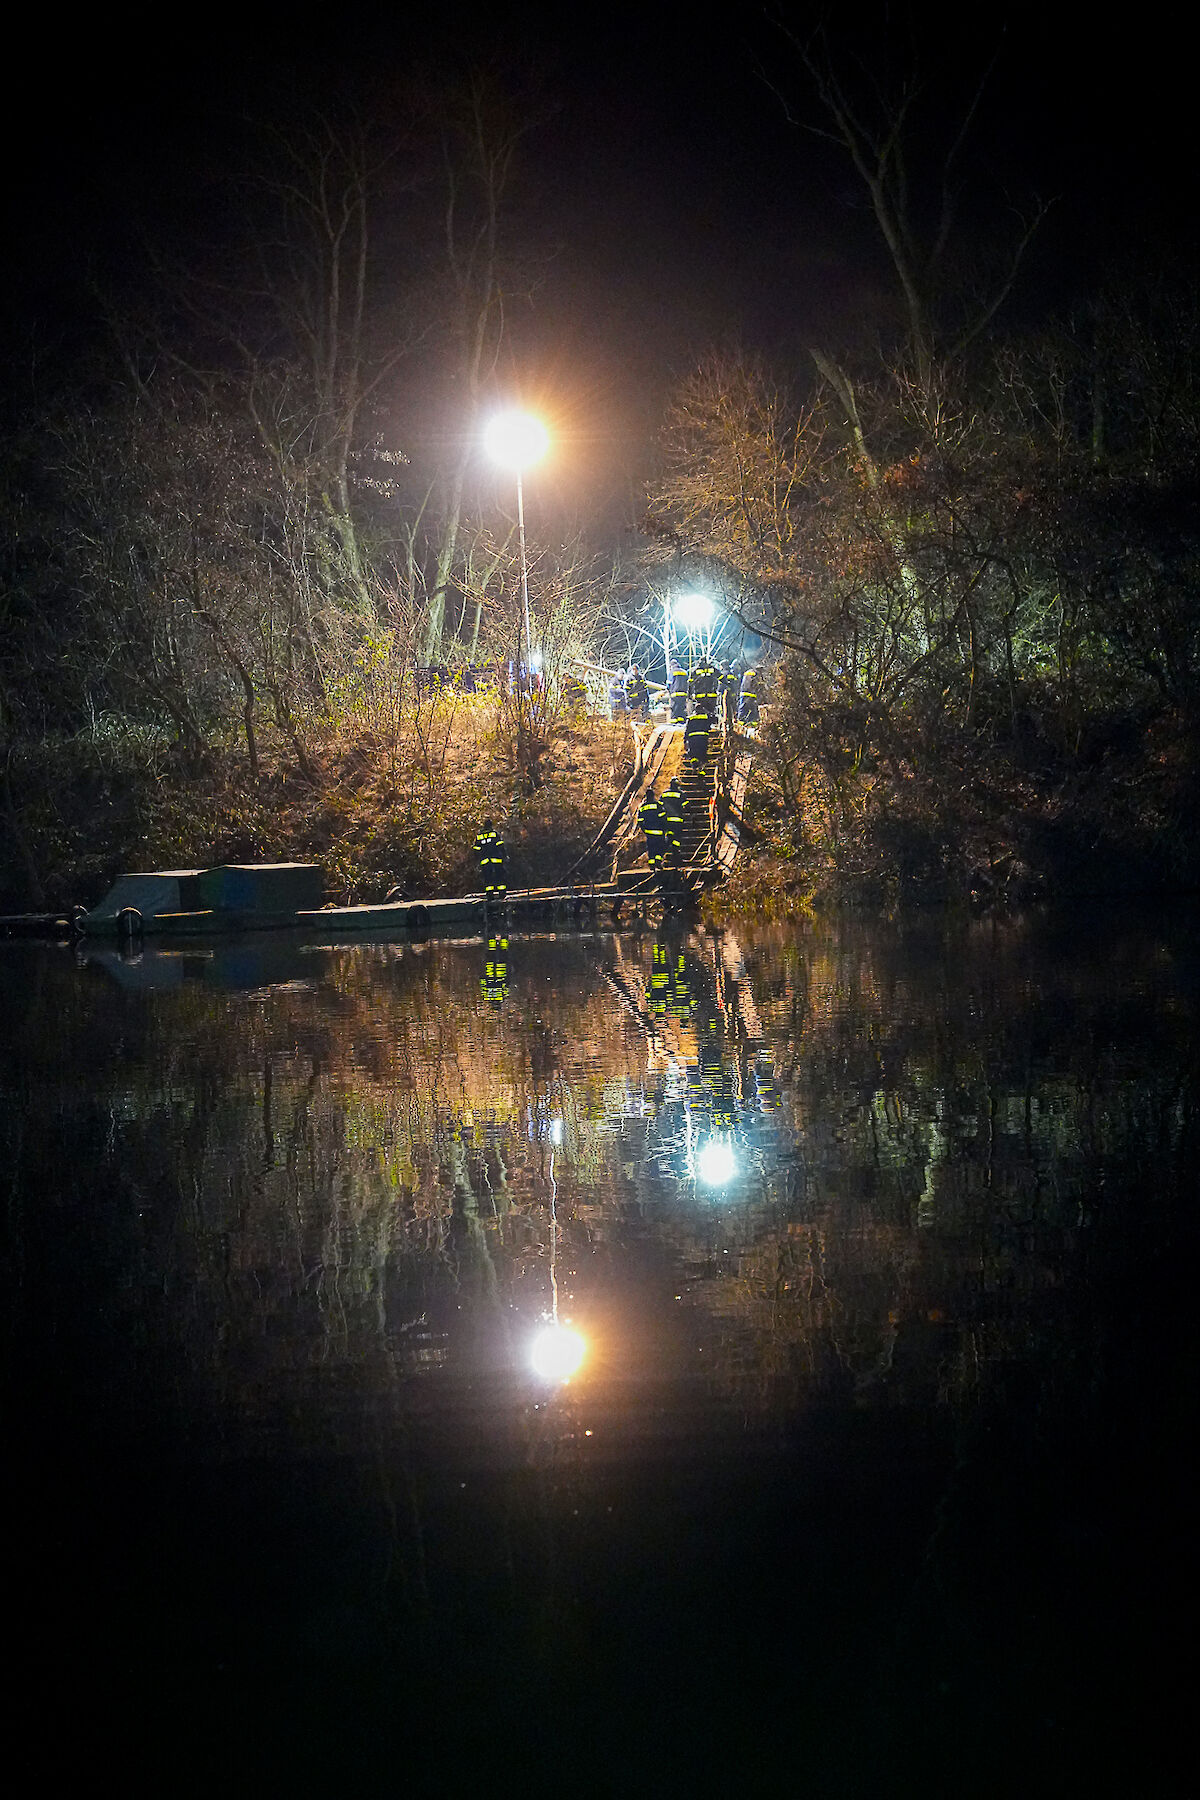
{"x": 524, "y": 565}
{"x": 516, "y": 439}
{"x": 694, "y": 612}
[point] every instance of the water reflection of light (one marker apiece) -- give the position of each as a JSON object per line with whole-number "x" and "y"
{"x": 715, "y": 1163}
{"x": 557, "y": 1352}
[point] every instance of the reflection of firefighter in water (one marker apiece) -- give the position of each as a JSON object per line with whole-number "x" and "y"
{"x": 669, "y": 992}
{"x": 717, "y": 1094}
{"x": 712, "y": 1088}
{"x": 660, "y": 980}
{"x": 766, "y": 1092}
{"x": 681, "y": 1002}
{"x": 680, "y": 989}
{"x": 494, "y": 980}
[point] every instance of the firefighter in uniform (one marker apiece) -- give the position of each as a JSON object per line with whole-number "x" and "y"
{"x": 489, "y": 848}
{"x": 679, "y": 697}
{"x": 650, "y": 819}
{"x": 672, "y": 804}
{"x": 729, "y": 694}
{"x": 748, "y": 699}
{"x": 637, "y": 694}
{"x": 695, "y": 737}
{"x": 574, "y": 695}
{"x": 704, "y": 689}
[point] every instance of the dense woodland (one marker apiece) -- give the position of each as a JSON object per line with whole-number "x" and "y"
{"x": 965, "y": 536}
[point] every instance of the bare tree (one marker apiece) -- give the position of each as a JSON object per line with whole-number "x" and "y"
{"x": 317, "y": 335}
{"x": 917, "y": 195}
{"x": 480, "y": 139}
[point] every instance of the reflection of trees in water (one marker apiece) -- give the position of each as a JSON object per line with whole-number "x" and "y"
{"x": 363, "y": 1163}
{"x": 932, "y": 1135}
{"x": 710, "y": 1074}
{"x": 970, "y": 1121}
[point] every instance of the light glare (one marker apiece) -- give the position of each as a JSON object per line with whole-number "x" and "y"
{"x": 515, "y": 439}
{"x": 716, "y": 1164}
{"x": 693, "y": 611}
{"x": 557, "y": 1353}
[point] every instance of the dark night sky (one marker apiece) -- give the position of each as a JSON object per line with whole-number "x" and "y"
{"x": 686, "y": 208}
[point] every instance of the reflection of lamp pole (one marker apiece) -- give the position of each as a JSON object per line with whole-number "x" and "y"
{"x": 516, "y": 439}
{"x": 557, "y": 1350}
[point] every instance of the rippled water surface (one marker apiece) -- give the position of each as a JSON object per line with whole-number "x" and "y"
{"x": 876, "y": 1243}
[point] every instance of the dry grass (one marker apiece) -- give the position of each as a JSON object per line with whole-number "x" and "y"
{"x": 382, "y": 814}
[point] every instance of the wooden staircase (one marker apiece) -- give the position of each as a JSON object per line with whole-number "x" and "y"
{"x": 620, "y": 846}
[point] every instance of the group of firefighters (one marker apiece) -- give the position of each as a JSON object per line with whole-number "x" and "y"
{"x": 697, "y": 699}
{"x": 728, "y": 690}
{"x": 696, "y": 702}
{"x": 660, "y": 817}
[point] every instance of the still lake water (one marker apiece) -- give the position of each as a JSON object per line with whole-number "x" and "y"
{"x": 879, "y": 1240}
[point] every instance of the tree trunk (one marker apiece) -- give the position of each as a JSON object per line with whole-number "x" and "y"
{"x": 33, "y": 880}
{"x": 436, "y": 617}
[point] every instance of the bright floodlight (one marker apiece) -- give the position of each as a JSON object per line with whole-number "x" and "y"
{"x": 716, "y": 1163}
{"x": 557, "y": 1353}
{"x": 515, "y": 439}
{"x": 693, "y": 611}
